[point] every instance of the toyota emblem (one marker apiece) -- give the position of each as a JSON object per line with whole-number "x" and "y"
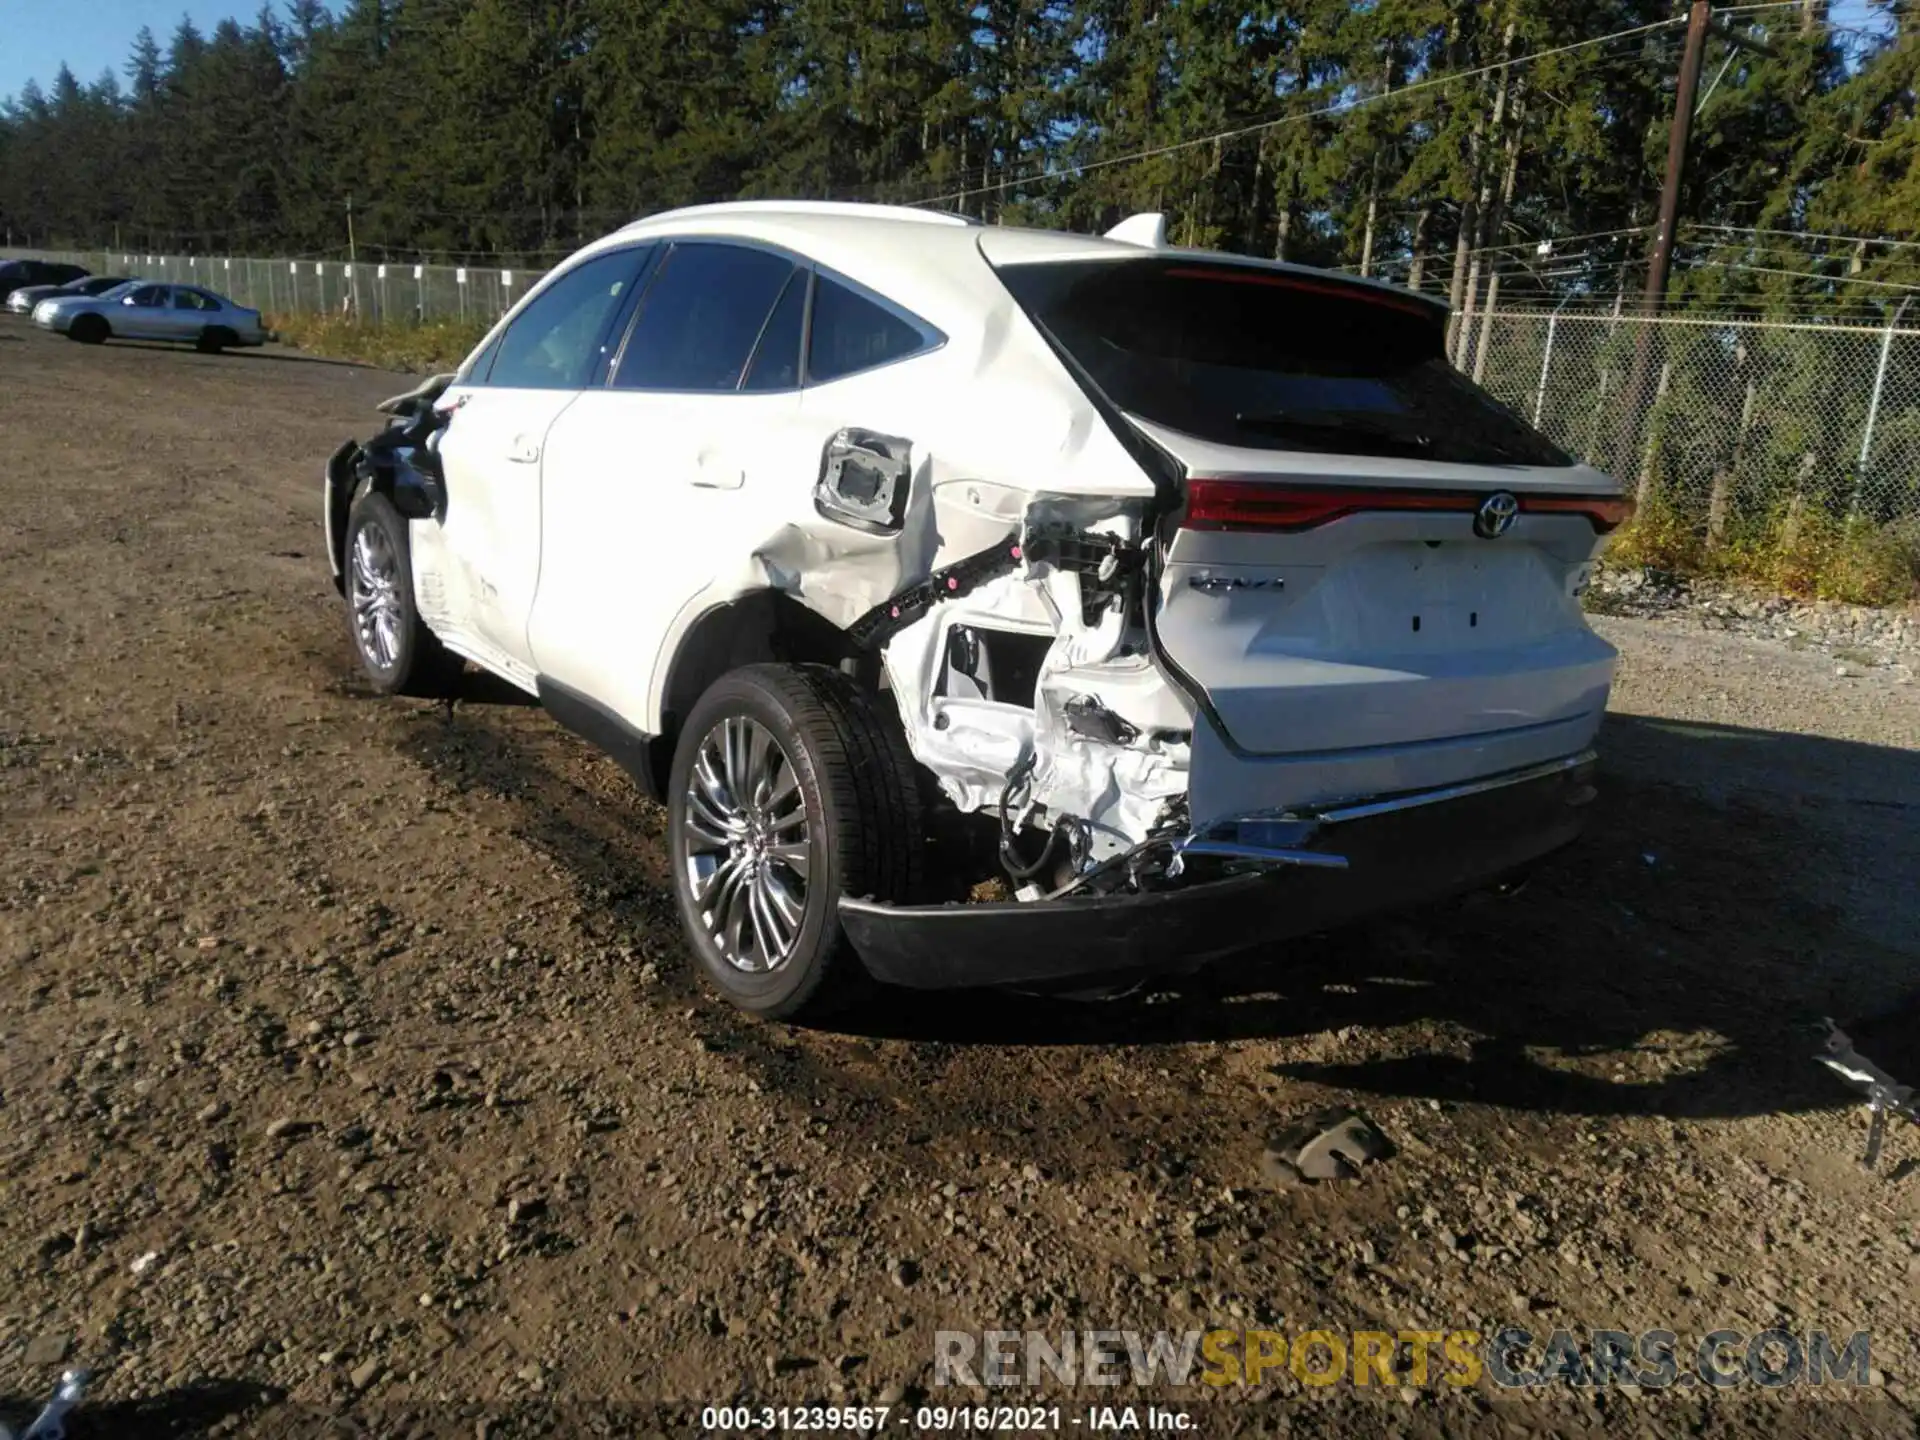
{"x": 1496, "y": 515}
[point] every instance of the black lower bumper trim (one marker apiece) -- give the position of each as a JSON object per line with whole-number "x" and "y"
{"x": 1409, "y": 858}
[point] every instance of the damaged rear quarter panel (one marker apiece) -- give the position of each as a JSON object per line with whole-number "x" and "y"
{"x": 988, "y": 419}
{"x": 997, "y": 442}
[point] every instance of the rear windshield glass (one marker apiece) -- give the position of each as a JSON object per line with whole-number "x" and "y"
{"x": 1273, "y": 361}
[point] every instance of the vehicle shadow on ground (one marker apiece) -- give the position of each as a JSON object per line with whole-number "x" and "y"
{"x": 205, "y": 1407}
{"x": 475, "y": 688}
{"x": 1684, "y": 910}
{"x": 248, "y": 355}
{"x": 1676, "y": 961}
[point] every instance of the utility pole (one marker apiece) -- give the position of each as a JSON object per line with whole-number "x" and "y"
{"x": 1677, "y": 139}
{"x": 1700, "y": 24}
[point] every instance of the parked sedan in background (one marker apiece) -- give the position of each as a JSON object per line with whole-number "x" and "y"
{"x": 22, "y": 301}
{"x": 16, "y": 273}
{"x": 139, "y": 311}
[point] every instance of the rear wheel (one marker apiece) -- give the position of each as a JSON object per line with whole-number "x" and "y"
{"x": 790, "y": 788}
{"x": 399, "y": 654}
{"x": 214, "y": 339}
{"x": 88, "y": 329}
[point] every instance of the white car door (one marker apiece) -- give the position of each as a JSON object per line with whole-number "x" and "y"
{"x": 659, "y": 485}
{"x": 493, "y": 450}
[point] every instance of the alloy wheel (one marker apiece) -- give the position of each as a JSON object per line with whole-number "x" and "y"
{"x": 744, "y": 847}
{"x": 374, "y": 585}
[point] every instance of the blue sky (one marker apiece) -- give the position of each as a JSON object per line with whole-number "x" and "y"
{"x": 92, "y": 35}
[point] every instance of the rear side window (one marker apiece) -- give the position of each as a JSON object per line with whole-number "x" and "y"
{"x": 852, "y": 333}
{"x": 1273, "y": 361}
{"x": 701, "y": 317}
{"x": 557, "y": 340}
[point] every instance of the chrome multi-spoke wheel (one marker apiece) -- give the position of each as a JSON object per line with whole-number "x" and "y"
{"x": 398, "y": 652}
{"x": 791, "y": 788}
{"x": 744, "y": 844}
{"x": 373, "y": 589}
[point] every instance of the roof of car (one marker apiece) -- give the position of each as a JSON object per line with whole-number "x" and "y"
{"x": 850, "y": 227}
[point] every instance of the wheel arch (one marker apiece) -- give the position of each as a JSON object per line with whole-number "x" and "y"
{"x": 758, "y": 627}
{"x": 354, "y": 470}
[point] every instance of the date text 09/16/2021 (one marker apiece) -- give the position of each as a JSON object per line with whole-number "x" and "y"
{"x": 946, "y": 1419}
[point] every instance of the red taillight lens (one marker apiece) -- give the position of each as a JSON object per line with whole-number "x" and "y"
{"x": 1222, "y": 504}
{"x": 1607, "y": 512}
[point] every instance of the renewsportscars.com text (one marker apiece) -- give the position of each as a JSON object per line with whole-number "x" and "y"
{"x": 1512, "y": 1358}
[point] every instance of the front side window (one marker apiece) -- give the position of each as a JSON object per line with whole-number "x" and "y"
{"x": 557, "y": 340}
{"x": 852, "y": 333}
{"x": 701, "y": 317}
{"x": 149, "y": 296}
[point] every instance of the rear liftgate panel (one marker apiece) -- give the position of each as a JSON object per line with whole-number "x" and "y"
{"x": 1371, "y": 581}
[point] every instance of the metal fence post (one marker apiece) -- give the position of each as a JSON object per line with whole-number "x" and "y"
{"x": 1873, "y": 406}
{"x": 1546, "y": 362}
{"x": 1644, "y": 490}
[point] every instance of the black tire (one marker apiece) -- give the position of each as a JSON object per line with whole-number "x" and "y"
{"x": 863, "y": 823}
{"x": 214, "y": 339}
{"x": 88, "y": 329}
{"x": 417, "y": 664}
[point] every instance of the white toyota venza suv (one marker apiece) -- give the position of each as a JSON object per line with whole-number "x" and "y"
{"x": 998, "y": 606}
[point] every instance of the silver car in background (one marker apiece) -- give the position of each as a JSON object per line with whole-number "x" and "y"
{"x": 142, "y": 311}
{"x": 22, "y": 301}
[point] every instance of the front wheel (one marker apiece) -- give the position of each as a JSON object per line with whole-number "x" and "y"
{"x": 790, "y": 787}
{"x": 399, "y": 654}
{"x": 88, "y": 329}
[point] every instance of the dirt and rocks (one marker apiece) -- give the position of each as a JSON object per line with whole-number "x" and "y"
{"x": 1855, "y": 637}
{"x": 353, "y": 1077}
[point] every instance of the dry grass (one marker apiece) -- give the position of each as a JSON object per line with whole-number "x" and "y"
{"x": 1812, "y": 556}
{"x": 422, "y": 349}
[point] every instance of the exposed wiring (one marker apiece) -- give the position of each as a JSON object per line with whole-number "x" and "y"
{"x": 1020, "y": 782}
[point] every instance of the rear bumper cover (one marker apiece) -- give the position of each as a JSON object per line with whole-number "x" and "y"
{"x": 1400, "y": 851}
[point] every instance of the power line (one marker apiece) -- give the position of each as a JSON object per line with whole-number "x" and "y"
{"x": 1533, "y": 244}
{"x": 1805, "y": 235}
{"x": 1342, "y": 107}
{"x": 1813, "y": 275}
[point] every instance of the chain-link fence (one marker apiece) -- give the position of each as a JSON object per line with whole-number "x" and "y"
{"x": 403, "y": 292}
{"x": 1733, "y": 425}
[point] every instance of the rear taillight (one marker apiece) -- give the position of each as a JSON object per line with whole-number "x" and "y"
{"x": 1214, "y": 503}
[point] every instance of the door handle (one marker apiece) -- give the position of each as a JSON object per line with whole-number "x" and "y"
{"x": 523, "y": 451}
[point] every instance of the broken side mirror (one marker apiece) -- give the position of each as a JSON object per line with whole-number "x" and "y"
{"x": 864, "y": 481}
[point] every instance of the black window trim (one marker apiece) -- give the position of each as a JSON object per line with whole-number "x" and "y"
{"x": 613, "y": 344}
{"x": 802, "y": 275}
{"x": 932, "y": 338}
{"x": 481, "y": 373}
{"x": 667, "y": 244}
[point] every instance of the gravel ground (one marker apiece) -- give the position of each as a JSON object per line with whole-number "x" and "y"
{"x": 351, "y": 1068}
